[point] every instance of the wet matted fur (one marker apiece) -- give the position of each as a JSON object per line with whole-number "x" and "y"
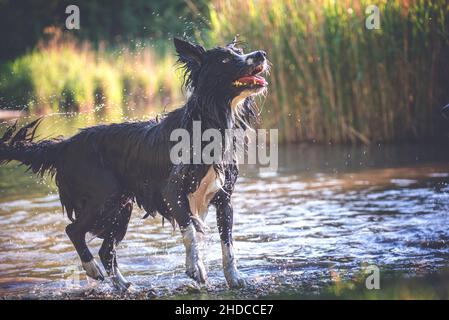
{"x": 104, "y": 170}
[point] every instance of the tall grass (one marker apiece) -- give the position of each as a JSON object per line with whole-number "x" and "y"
{"x": 65, "y": 76}
{"x": 332, "y": 79}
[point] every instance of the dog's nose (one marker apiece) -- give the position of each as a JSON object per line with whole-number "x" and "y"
{"x": 260, "y": 55}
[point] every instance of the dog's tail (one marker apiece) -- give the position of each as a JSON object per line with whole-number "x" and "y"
{"x": 39, "y": 157}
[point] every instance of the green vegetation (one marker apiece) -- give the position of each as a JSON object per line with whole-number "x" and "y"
{"x": 103, "y": 22}
{"x": 393, "y": 286}
{"x": 65, "y": 77}
{"x": 332, "y": 79}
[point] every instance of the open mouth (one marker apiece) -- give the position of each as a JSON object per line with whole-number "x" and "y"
{"x": 253, "y": 79}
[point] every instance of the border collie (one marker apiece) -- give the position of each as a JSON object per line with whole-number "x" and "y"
{"x": 104, "y": 170}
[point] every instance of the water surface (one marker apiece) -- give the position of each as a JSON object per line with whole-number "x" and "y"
{"x": 327, "y": 212}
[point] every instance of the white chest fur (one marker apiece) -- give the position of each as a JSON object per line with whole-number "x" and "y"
{"x": 209, "y": 185}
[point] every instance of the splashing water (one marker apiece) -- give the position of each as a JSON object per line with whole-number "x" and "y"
{"x": 328, "y": 209}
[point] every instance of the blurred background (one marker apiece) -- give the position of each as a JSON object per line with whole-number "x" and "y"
{"x": 363, "y": 175}
{"x": 332, "y": 81}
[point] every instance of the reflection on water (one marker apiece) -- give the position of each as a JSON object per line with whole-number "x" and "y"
{"x": 328, "y": 209}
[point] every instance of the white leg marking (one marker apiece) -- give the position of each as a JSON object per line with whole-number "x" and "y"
{"x": 232, "y": 275}
{"x": 93, "y": 270}
{"x": 194, "y": 265}
{"x": 119, "y": 281}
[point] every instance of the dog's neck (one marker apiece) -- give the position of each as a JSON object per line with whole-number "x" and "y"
{"x": 222, "y": 113}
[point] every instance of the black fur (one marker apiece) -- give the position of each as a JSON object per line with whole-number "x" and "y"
{"x": 103, "y": 170}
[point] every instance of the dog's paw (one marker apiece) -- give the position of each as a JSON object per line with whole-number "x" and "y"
{"x": 119, "y": 281}
{"x": 93, "y": 270}
{"x": 194, "y": 265}
{"x": 234, "y": 278}
{"x": 197, "y": 271}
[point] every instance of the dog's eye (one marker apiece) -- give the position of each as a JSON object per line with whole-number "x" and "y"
{"x": 226, "y": 60}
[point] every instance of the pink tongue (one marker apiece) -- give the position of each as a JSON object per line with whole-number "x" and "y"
{"x": 253, "y": 80}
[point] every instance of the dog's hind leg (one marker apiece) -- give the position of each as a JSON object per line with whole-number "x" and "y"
{"x": 224, "y": 222}
{"x": 107, "y": 253}
{"x": 77, "y": 234}
{"x": 108, "y": 257}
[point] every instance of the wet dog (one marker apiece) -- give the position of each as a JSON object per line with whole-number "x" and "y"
{"x": 102, "y": 171}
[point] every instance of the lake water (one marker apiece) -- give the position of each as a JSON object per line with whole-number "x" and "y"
{"x": 327, "y": 212}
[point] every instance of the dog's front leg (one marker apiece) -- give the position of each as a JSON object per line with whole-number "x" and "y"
{"x": 194, "y": 264}
{"x": 178, "y": 205}
{"x": 225, "y": 221}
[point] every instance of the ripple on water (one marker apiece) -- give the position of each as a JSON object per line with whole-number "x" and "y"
{"x": 292, "y": 231}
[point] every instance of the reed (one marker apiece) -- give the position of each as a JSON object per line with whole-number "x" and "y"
{"x": 332, "y": 79}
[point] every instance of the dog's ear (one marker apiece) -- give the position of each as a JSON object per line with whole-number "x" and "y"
{"x": 233, "y": 43}
{"x": 188, "y": 52}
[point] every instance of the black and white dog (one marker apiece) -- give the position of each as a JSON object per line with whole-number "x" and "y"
{"x": 103, "y": 170}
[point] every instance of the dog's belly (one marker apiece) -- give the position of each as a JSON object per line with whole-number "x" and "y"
{"x": 209, "y": 185}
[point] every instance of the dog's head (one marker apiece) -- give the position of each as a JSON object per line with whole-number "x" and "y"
{"x": 222, "y": 72}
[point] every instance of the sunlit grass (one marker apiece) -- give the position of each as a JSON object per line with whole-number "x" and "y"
{"x": 395, "y": 287}
{"x": 64, "y": 76}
